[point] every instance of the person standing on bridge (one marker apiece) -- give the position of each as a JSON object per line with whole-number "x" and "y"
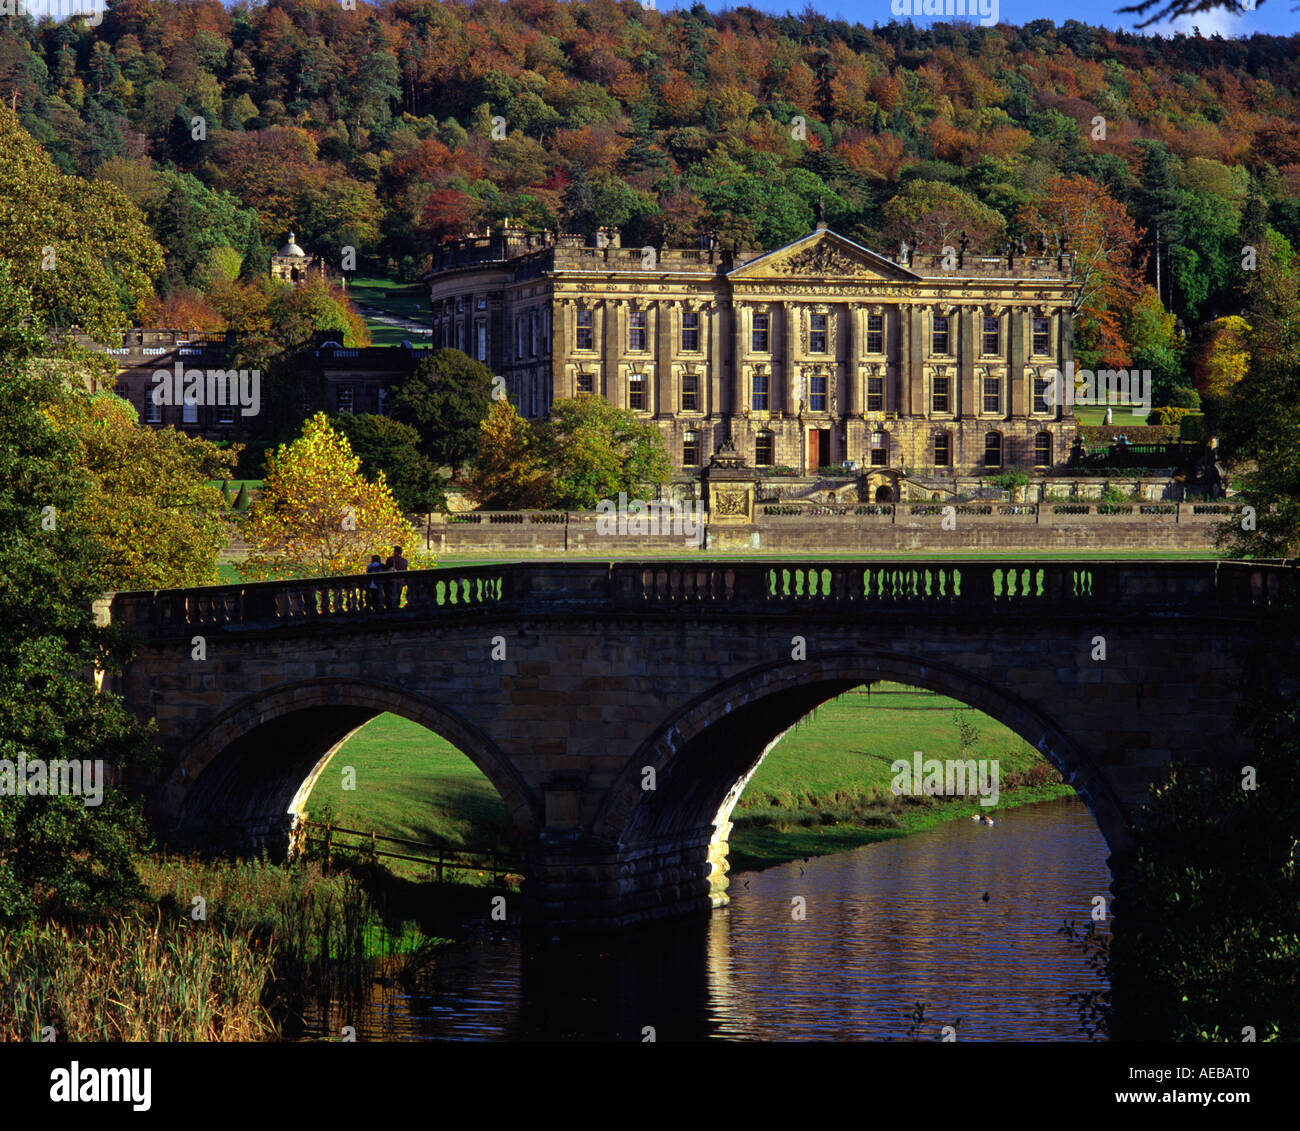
{"x": 373, "y": 591}
{"x": 396, "y": 564}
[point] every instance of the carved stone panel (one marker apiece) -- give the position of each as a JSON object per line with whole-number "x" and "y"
{"x": 731, "y": 503}
{"x": 823, "y": 259}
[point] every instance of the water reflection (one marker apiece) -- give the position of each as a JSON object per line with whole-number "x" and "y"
{"x": 884, "y": 926}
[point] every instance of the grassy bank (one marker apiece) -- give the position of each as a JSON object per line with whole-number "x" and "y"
{"x": 824, "y": 788}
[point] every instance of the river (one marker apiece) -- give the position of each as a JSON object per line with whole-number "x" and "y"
{"x": 882, "y": 927}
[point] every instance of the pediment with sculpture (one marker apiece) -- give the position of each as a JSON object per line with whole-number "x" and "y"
{"x": 824, "y": 254}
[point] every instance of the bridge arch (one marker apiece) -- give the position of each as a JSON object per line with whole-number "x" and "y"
{"x": 705, "y": 753}
{"x": 224, "y": 779}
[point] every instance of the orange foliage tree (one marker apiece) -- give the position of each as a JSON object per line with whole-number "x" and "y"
{"x": 1080, "y": 216}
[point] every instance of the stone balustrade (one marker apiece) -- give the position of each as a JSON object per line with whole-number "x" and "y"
{"x": 667, "y": 586}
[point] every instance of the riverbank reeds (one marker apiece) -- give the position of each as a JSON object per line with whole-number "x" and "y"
{"x": 220, "y": 950}
{"x": 133, "y": 981}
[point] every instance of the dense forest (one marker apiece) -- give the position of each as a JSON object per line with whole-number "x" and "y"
{"x": 388, "y": 128}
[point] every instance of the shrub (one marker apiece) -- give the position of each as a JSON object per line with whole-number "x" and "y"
{"x": 1042, "y": 773}
{"x": 1135, "y": 433}
{"x": 1167, "y": 414}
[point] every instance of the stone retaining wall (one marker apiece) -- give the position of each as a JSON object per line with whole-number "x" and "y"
{"x": 905, "y": 527}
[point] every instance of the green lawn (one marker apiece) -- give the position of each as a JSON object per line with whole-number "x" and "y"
{"x": 1121, "y": 415}
{"x": 842, "y": 750}
{"x": 825, "y": 787}
{"x": 396, "y": 299}
{"x": 411, "y": 783}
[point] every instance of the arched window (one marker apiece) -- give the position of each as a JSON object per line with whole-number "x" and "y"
{"x": 942, "y": 452}
{"x": 690, "y": 449}
{"x": 763, "y": 449}
{"x": 993, "y": 449}
{"x": 1043, "y": 449}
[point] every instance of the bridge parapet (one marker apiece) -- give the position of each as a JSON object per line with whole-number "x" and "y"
{"x": 975, "y": 587}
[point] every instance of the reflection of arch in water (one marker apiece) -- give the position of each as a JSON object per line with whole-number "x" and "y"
{"x": 705, "y": 754}
{"x": 251, "y": 771}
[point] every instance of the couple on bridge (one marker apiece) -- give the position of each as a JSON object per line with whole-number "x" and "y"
{"x": 387, "y": 594}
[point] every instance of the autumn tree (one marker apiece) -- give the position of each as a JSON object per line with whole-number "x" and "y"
{"x": 1261, "y": 425}
{"x": 1155, "y": 345}
{"x": 156, "y": 522}
{"x": 82, "y": 248}
{"x": 1223, "y": 360}
{"x": 297, "y": 313}
{"x": 931, "y": 215}
{"x": 1081, "y": 217}
{"x": 388, "y": 446}
{"x": 318, "y": 515}
{"x": 508, "y": 472}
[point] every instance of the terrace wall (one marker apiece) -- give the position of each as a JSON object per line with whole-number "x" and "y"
{"x": 1066, "y": 527}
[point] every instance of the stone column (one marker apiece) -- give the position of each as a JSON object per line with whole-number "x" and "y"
{"x": 497, "y": 311}
{"x": 788, "y": 331}
{"x": 612, "y": 328}
{"x": 852, "y": 395}
{"x": 560, "y": 315}
{"x": 736, "y": 381}
{"x": 1065, "y": 351}
{"x": 711, "y": 339}
{"x": 665, "y": 403}
{"x": 904, "y": 390}
{"x": 967, "y": 405}
{"x": 1018, "y": 395}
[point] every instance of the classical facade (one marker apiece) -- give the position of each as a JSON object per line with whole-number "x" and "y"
{"x": 819, "y": 353}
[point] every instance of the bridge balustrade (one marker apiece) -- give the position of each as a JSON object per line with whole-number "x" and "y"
{"x": 928, "y": 583}
{"x": 940, "y": 586}
{"x": 669, "y": 584}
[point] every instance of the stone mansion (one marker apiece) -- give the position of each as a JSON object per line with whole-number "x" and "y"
{"x": 819, "y": 353}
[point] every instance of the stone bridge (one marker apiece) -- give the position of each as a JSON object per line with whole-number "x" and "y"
{"x": 566, "y": 682}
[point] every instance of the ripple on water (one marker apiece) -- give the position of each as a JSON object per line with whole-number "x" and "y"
{"x": 886, "y": 925}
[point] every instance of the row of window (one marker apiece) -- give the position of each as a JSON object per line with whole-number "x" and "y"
{"x": 531, "y": 337}
{"x": 818, "y": 334}
{"x": 760, "y": 393}
{"x": 460, "y": 302}
{"x": 764, "y": 449}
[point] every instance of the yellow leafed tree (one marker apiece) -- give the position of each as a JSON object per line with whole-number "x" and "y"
{"x": 507, "y": 472}
{"x": 156, "y": 522}
{"x": 1224, "y": 360}
{"x": 317, "y": 514}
